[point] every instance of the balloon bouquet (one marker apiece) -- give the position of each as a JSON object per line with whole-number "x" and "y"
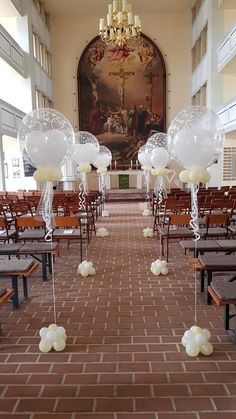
{"x": 46, "y": 139}
{"x": 86, "y": 149}
{"x": 146, "y": 173}
{"x": 102, "y": 162}
{"x": 157, "y": 155}
{"x": 195, "y": 140}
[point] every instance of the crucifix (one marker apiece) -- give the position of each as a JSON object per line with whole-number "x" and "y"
{"x": 93, "y": 82}
{"x": 121, "y": 76}
{"x": 150, "y": 79}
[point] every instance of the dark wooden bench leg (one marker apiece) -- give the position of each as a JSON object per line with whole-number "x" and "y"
{"x": 209, "y": 279}
{"x": 226, "y": 317}
{"x": 15, "y": 297}
{"x": 44, "y": 266}
{"x": 202, "y": 278}
{"x": 50, "y": 263}
{"x": 25, "y": 286}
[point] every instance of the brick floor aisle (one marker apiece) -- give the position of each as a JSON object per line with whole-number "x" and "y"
{"x": 123, "y": 358}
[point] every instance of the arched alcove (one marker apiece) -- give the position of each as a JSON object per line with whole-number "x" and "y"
{"x": 122, "y": 95}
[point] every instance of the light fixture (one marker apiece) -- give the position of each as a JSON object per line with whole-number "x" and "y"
{"x": 121, "y": 27}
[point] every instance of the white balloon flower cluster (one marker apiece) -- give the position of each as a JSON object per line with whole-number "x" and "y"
{"x": 147, "y": 232}
{"x": 195, "y": 175}
{"x": 196, "y": 340}
{"x": 101, "y": 170}
{"x": 101, "y": 232}
{"x": 160, "y": 171}
{"x": 105, "y": 213}
{"x": 84, "y": 168}
{"x": 52, "y": 336}
{"x": 159, "y": 267}
{"x": 50, "y": 174}
{"x": 86, "y": 268}
{"x": 146, "y": 168}
{"x": 147, "y": 212}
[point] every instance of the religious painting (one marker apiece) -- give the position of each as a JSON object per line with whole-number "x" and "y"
{"x": 121, "y": 92}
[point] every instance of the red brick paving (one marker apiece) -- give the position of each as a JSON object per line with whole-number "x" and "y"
{"x": 123, "y": 357}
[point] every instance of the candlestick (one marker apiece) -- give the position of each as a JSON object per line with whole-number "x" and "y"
{"x": 131, "y": 165}
{"x": 115, "y": 164}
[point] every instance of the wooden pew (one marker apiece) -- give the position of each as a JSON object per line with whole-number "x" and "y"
{"x": 15, "y": 269}
{"x": 226, "y": 303}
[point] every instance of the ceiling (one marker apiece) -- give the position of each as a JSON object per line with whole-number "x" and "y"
{"x": 99, "y": 7}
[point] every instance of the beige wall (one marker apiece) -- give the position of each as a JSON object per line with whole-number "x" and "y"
{"x": 171, "y": 32}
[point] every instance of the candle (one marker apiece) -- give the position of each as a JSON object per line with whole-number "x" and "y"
{"x": 136, "y": 164}
{"x": 101, "y": 24}
{"x": 130, "y": 18}
{"x": 108, "y": 20}
{"x": 131, "y": 165}
{"x": 124, "y": 5}
{"x": 111, "y": 33}
{"x": 128, "y": 8}
{"x": 136, "y": 20}
{"x": 119, "y": 16}
{"x": 110, "y": 9}
{"x": 115, "y": 164}
{"x": 115, "y": 6}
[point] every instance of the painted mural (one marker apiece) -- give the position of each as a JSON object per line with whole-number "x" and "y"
{"x": 122, "y": 93}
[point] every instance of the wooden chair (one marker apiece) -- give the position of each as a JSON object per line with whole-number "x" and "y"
{"x": 216, "y": 226}
{"x": 68, "y": 228}
{"x": 175, "y": 230}
{"x": 5, "y": 233}
{"x": 29, "y": 228}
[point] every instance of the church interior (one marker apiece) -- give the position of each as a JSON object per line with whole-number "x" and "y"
{"x": 118, "y": 209}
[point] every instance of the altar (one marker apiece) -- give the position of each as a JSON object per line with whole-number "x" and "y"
{"x": 124, "y": 179}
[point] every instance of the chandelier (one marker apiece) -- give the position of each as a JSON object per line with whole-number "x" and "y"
{"x": 120, "y": 28}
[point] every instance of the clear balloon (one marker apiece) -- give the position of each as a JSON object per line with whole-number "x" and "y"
{"x": 86, "y": 148}
{"x": 159, "y": 157}
{"x": 196, "y": 137}
{"x": 142, "y": 156}
{"x": 104, "y": 157}
{"x": 46, "y": 138}
{"x": 157, "y": 140}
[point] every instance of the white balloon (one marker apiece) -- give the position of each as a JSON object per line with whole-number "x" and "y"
{"x": 43, "y": 331}
{"x": 206, "y": 348}
{"x": 159, "y": 157}
{"x": 195, "y": 329}
{"x": 142, "y": 156}
{"x": 192, "y": 349}
{"x": 104, "y": 157}
{"x": 200, "y": 339}
{"x": 59, "y": 344}
{"x": 45, "y": 345}
{"x": 46, "y": 149}
{"x": 196, "y": 137}
{"x": 45, "y": 137}
{"x": 84, "y": 153}
{"x": 206, "y": 333}
{"x": 164, "y": 271}
{"x": 52, "y": 326}
{"x": 51, "y": 335}
{"x": 194, "y": 148}
{"x": 189, "y": 335}
{"x": 86, "y": 147}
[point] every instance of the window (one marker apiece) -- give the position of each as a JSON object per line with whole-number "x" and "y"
{"x": 35, "y": 45}
{"x": 42, "y": 101}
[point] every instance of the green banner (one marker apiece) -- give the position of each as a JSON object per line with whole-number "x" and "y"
{"x": 123, "y": 181}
